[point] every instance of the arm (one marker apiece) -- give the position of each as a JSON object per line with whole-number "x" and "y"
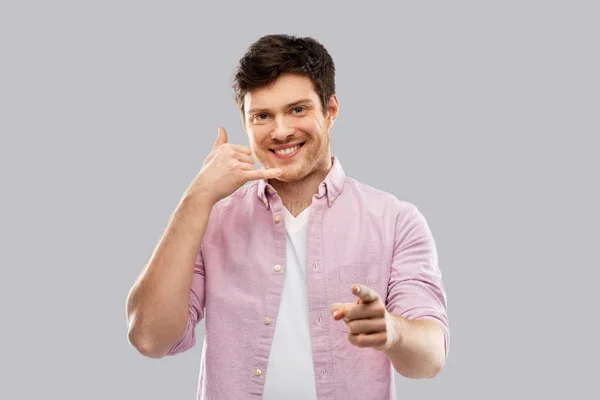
{"x": 167, "y": 301}
{"x": 158, "y": 303}
{"x": 416, "y": 300}
{"x": 416, "y": 347}
{"x": 419, "y": 351}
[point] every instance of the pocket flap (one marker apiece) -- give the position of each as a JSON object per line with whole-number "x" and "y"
{"x": 365, "y": 273}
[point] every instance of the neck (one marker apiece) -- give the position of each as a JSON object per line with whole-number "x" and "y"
{"x": 297, "y": 196}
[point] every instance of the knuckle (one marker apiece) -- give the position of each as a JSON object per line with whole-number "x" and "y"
{"x": 351, "y": 327}
{"x": 227, "y": 149}
{"x": 233, "y": 164}
{"x": 382, "y": 326}
{"x": 360, "y": 340}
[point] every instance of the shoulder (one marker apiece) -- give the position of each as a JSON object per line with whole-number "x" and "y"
{"x": 233, "y": 211}
{"x": 377, "y": 198}
{"x": 244, "y": 197}
{"x": 401, "y": 216}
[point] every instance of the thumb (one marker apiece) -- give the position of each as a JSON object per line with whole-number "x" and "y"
{"x": 221, "y": 137}
{"x": 364, "y": 293}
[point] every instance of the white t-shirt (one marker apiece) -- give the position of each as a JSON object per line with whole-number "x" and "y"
{"x": 290, "y": 373}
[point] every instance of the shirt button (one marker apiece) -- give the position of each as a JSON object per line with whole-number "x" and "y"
{"x": 319, "y": 318}
{"x": 267, "y": 320}
{"x": 257, "y": 372}
{"x": 277, "y": 218}
{"x": 270, "y": 190}
{"x": 277, "y": 268}
{"x": 331, "y": 198}
{"x": 265, "y": 200}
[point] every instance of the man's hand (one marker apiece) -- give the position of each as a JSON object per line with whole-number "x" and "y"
{"x": 226, "y": 168}
{"x": 368, "y": 321}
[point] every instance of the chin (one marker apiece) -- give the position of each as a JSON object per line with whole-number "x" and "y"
{"x": 289, "y": 177}
{"x": 291, "y": 174}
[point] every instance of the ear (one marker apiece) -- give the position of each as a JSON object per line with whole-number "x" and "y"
{"x": 333, "y": 109}
{"x": 243, "y": 121}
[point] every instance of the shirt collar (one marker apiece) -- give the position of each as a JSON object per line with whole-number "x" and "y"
{"x": 332, "y": 185}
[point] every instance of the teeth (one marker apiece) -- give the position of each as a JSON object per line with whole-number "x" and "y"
{"x": 289, "y": 150}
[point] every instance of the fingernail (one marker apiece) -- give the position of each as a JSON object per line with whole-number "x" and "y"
{"x": 335, "y": 313}
{"x": 357, "y": 288}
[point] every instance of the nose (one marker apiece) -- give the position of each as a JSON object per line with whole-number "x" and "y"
{"x": 282, "y": 130}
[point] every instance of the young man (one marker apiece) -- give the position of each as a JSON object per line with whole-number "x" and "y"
{"x": 312, "y": 285}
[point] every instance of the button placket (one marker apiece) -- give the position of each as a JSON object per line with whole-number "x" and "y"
{"x": 317, "y": 267}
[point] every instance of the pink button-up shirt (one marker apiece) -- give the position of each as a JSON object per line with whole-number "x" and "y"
{"x": 355, "y": 234}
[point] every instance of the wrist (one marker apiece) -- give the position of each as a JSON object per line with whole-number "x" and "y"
{"x": 193, "y": 206}
{"x": 397, "y": 327}
{"x": 198, "y": 199}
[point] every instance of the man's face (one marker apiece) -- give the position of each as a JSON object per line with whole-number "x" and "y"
{"x": 287, "y": 128}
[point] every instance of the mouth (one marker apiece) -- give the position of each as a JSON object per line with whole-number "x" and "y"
{"x": 284, "y": 152}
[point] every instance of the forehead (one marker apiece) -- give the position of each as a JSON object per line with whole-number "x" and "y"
{"x": 285, "y": 90}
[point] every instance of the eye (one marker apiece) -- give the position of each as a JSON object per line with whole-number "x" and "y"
{"x": 261, "y": 117}
{"x": 298, "y": 109}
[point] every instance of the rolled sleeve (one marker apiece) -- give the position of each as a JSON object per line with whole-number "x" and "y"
{"x": 415, "y": 289}
{"x": 196, "y": 308}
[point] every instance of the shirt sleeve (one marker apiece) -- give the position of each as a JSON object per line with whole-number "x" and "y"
{"x": 415, "y": 289}
{"x": 196, "y": 308}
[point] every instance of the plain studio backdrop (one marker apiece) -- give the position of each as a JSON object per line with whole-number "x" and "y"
{"x": 486, "y": 116}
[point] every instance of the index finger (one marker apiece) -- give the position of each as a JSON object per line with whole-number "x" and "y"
{"x": 365, "y": 293}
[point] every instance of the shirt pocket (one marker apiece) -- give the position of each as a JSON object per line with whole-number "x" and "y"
{"x": 368, "y": 274}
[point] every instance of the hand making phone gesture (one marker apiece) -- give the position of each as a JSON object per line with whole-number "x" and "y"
{"x": 226, "y": 168}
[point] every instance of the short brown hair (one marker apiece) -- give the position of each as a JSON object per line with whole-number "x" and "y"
{"x": 274, "y": 55}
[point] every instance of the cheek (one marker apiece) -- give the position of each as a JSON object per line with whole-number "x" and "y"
{"x": 311, "y": 128}
{"x": 257, "y": 136}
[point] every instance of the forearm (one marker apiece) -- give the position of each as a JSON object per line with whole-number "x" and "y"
{"x": 420, "y": 351}
{"x": 157, "y": 305}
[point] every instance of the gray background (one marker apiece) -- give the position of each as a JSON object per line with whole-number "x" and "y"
{"x": 483, "y": 115}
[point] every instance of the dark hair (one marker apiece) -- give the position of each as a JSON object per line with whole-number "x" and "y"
{"x": 274, "y": 55}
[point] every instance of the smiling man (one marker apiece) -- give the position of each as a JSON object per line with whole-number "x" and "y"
{"x": 312, "y": 285}
{"x": 288, "y": 129}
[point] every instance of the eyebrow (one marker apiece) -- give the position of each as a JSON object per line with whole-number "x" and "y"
{"x": 289, "y": 105}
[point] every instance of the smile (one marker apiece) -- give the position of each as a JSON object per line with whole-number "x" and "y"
{"x": 288, "y": 151}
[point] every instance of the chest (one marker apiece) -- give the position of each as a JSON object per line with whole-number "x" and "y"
{"x": 335, "y": 253}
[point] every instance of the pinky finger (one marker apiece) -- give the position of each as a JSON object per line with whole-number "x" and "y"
{"x": 376, "y": 340}
{"x": 257, "y": 174}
